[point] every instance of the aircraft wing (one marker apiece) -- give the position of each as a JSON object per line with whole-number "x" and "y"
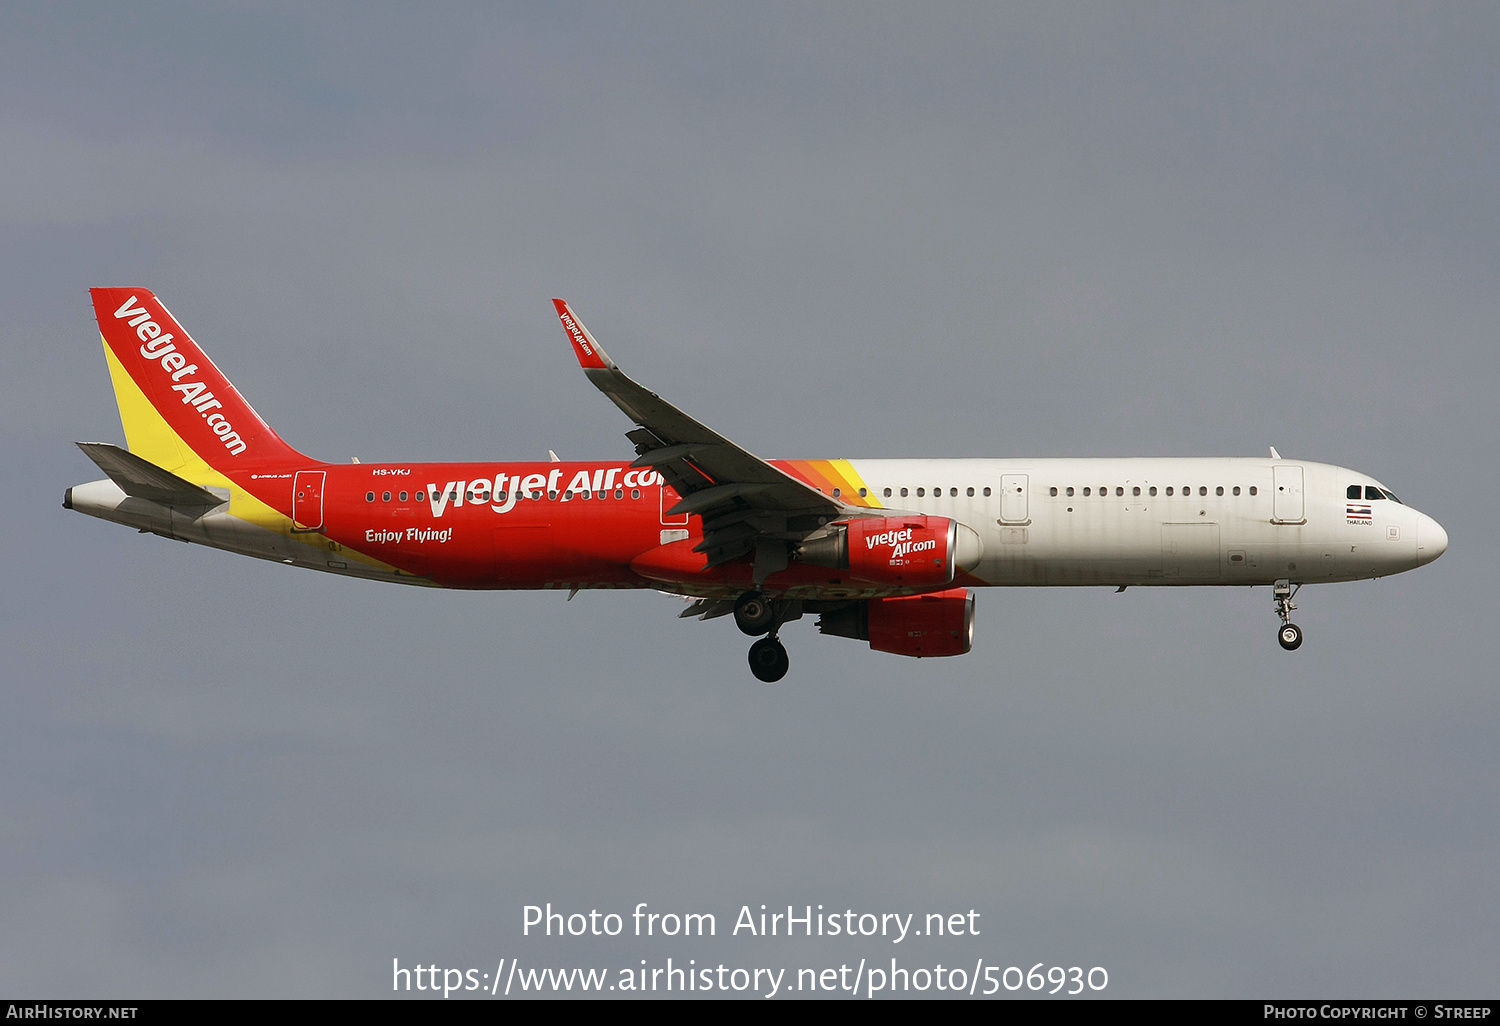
{"x": 743, "y": 500}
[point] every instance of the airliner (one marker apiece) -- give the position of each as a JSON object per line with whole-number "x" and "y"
{"x": 882, "y": 551}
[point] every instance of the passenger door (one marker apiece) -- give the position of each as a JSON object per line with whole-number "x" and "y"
{"x": 307, "y": 500}
{"x": 1287, "y": 506}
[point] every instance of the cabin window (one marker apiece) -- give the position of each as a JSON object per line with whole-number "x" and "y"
{"x": 619, "y": 493}
{"x": 1252, "y": 489}
{"x": 863, "y": 492}
{"x": 423, "y": 495}
{"x": 1103, "y": 492}
{"x": 1153, "y": 489}
{"x": 971, "y": 491}
{"x": 635, "y": 493}
{"x": 385, "y": 496}
{"x": 403, "y": 496}
{"x": 369, "y": 496}
{"x": 1119, "y": 490}
{"x": 835, "y": 493}
{"x": 1052, "y": 491}
{"x": 1203, "y": 489}
{"x": 1085, "y": 491}
{"x": 499, "y": 496}
{"x": 1236, "y": 489}
{"x": 1070, "y": 491}
{"x": 887, "y": 493}
{"x": 1219, "y": 490}
{"x": 986, "y": 492}
{"x": 921, "y": 492}
{"x": 1169, "y": 489}
{"x": 953, "y": 492}
{"x": 1136, "y": 490}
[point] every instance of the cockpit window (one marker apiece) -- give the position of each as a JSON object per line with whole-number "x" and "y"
{"x": 1353, "y": 492}
{"x": 1371, "y": 492}
{"x": 1392, "y": 496}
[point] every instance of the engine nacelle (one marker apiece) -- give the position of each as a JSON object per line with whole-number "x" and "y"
{"x": 915, "y": 551}
{"x": 939, "y": 624}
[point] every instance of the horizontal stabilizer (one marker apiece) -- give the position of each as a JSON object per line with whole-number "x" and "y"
{"x": 146, "y": 480}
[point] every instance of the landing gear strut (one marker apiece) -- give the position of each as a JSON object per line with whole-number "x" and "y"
{"x": 1290, "y": 635}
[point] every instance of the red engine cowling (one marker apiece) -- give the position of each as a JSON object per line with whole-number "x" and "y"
{"x": 938, "y": 624}
{"x": 915, "y": 551}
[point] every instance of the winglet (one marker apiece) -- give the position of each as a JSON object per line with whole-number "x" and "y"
{"x": 590, "y": 356}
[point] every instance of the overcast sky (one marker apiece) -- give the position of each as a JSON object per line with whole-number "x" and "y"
{"x": 828, "y": 230}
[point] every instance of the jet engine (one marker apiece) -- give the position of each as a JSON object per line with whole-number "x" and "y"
{"x": 914, "y": 551}
{"x": 938, "y": 624}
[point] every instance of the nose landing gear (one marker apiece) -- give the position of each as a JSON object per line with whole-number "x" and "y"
{"x": 1290, "y": 635}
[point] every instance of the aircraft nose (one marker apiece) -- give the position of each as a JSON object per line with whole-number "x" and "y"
{"x": 1432, "y": 540}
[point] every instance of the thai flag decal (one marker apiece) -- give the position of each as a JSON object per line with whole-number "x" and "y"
{"x": 1359, "y": 513}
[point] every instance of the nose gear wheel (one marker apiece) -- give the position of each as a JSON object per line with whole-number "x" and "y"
{"x": 1290, "y": 635}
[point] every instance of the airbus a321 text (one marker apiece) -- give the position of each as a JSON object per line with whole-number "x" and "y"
{"x": 883, "y": 551}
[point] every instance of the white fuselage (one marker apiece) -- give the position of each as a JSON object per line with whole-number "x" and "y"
{"x": 1236, "y": 521}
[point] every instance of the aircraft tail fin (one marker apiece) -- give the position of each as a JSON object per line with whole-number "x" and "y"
{"x": 179, "y": 411}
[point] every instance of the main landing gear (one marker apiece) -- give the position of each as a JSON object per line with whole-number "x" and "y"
{"x": 768, "y": 660}
{"x": 755, "y": 614}
{"x": 1290, "y": 635}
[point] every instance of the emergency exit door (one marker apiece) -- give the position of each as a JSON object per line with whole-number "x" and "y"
{"x": 1013, "y": 498}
